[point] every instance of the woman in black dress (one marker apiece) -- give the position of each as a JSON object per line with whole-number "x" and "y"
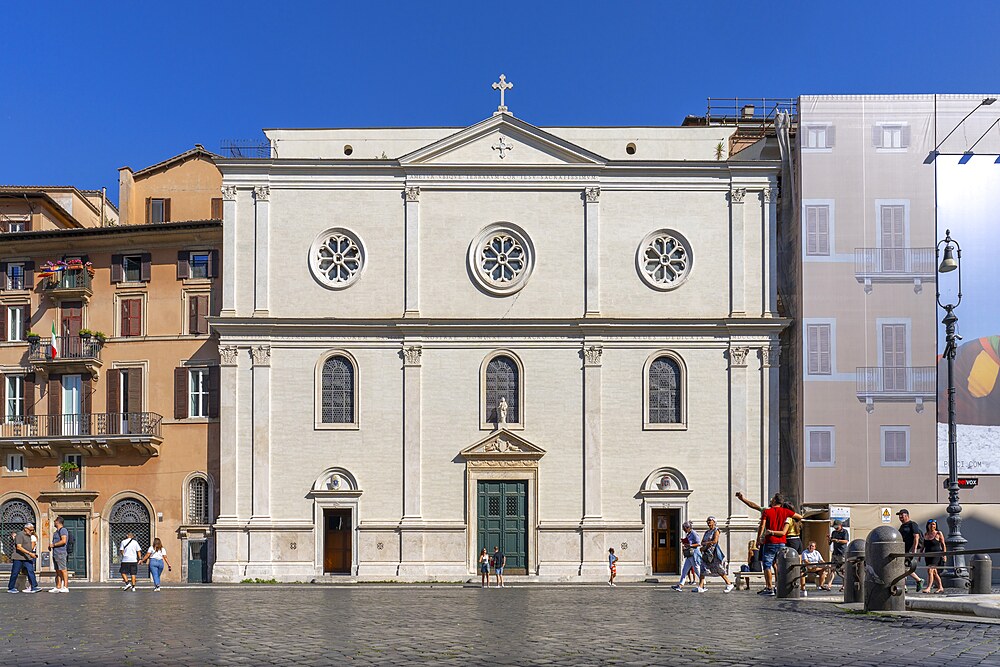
{"x": 934, "y": 543}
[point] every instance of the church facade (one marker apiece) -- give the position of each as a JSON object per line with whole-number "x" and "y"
{"x": 438, "y": 340}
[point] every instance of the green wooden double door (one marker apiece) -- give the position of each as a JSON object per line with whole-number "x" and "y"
{"x": 503, "y": 521}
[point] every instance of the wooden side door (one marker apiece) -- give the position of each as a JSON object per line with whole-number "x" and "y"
{"x": 666, "y": 541}
{"x": 337, "y": 546}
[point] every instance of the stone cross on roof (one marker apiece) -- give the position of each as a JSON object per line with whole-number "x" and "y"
{"x": 502, "y": 85}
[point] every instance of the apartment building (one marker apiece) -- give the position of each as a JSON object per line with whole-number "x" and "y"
{"x": 859, "y": 279}
{"x": 110, "y": 383}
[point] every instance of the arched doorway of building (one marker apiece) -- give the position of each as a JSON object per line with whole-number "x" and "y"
{"x": 14, "y": 513}
{"x": 128, "y": 515}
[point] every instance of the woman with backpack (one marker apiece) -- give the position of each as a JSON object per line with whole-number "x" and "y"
{"x": 157, "y": 557}
{"x": 712, "y": 558}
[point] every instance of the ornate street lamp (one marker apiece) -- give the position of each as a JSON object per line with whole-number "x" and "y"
{"x": 957, "y": 576}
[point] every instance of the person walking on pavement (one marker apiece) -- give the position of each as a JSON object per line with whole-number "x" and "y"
{"x": 934, "y": 543}
{"x": 129, "y": 552}
{"x": 484, "y": 568}
{"x": 712, "y": 558}
{"x": 839, "y": 539}
{"x": 157, "y": 556}
{"x": 60, "y": 554}
{"x": 912, "y": 537}
{"x": 23, "y": 559}
{"x": 690, "y": 548}
{"x": 499, "y": 560}
{"x": 612, "y": 560}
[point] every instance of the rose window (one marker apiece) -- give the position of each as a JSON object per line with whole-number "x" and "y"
{"x": 664, "y": 259}
{"x": 501, "y": 259}
{"x": 337, "y": 258}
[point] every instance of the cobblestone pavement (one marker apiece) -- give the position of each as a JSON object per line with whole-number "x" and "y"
{"x": 553, "y": 625}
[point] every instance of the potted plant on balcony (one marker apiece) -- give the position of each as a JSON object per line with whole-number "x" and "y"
{"x": 66, "y": 470}
{"x": 85, "y": 334}
{"x": 100, "y": 337}
{"x": 32, "y": 338}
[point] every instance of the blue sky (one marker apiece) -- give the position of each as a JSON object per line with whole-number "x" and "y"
{"x": 90, "y": 87}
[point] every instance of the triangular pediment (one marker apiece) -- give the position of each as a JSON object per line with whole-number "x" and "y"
{"x": 502, "y": 140}
{"x": 502, "y": 444}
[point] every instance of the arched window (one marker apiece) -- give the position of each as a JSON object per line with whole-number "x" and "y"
{"x": 127, "y": 516}
{"x": 198, "y": 502}
{"x": 503, "y": 381}
{"x": 13, "y": 515}
{"x": 338, "y": 391}
{"x": 664, "y": 391}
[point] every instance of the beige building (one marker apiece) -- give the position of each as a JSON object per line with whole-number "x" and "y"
{"x": 859, "y": 279}
{"x": 110, "y": 384}
{"x": 184, "y": 187}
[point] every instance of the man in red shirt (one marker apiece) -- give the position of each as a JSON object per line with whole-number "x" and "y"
{"x": 771, "y": 535}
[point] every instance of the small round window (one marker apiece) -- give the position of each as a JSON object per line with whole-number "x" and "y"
{"x": 501, "y": 258}
{"x": 337, "y": 258}
{"x": 664, "y": 259}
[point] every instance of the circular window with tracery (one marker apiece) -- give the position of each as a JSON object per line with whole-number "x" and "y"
{"x": 664, "y": 259}
{"x": 337, "y": 258}
{"x": 501, "y": 258}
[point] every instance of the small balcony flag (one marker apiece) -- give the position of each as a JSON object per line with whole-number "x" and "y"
{"x": 54, "y": 343}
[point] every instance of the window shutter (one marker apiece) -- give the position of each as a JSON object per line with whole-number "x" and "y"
{"x": 136, "y": 317}
{"x": 877, "y": 136}
{"x": 831, "y": 134}
{"x": 3, "y": 331}
{"x": 3, "y": 397}
{"x": 202, "y": 314}
{"x": 812, "y": 230}
{"x": 114, "y": 396}
{"x": 29, "y": 274}
{"x": 117, "y": 269}
{"x": 124, "y": 320}
{"x": 823, "y": 230}
{"x": 166, "y": 210}
{"x": 55, "y": 398}
{"x": 192, "y": 314}
{"x": 3, "y": 275}
{"x": 86, "y": 395}
{"x": 213, "y": 264}
{"x": 217, "y": 208}
{"x": 27, "y": 321}
{"x": 904, "y": 136}
{"x": 149, "y": 210}
{"x": 824, "y": 349}
{"x": 183, "y": 265}
{"x": 29, "y": 395}
{"x": 213, "y": 391}
{"x": 146, "y": 269}
{"x": 134, "y": 389}
{"x": 812, "y": 344}
{"x": 180, "y": 393}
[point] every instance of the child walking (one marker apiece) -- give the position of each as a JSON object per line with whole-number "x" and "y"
{"x": 612, "y": 559}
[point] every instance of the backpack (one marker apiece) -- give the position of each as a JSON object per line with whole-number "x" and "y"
{"x": 70, "y": 543}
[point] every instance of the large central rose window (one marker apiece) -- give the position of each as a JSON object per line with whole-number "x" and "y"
{"x": 501, "y": 258}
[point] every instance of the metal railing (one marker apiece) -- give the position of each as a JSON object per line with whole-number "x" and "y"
{"x": 96, "y": 424}
{"x": 894, "y": 261}
{"x": 897, "y": 380}
{"x": 70, "y": 347}
{"x": 741, "y": 111}
{"x": 68, "y": 279}
{"x": 246, "y": 148}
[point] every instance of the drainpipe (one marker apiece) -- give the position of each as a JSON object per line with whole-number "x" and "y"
{"x": 104, "y": 197}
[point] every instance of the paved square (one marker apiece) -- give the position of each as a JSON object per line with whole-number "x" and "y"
{"x": 557, "y": 625}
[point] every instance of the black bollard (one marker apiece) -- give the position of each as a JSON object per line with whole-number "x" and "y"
{"x": 787, "y": 585}
{"x": 854, "y": 572}
{"x": 981, "y": 575}
{"x": 881, "y": 594}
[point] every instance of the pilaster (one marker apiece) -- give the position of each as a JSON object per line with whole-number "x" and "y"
{"x": 769, "y": 374}
{"x": 738, "y": 457}
{"x": 769, "y": 237}
{"x": 262, "y": 202}
{"x": 592, "y": 501}
{"x": 261, "y": 356}
{"x": 592, "y": 265}
{"x": 411, "y": 431}
{"x": 229, "y": 265}
{"x": 737, "y": 253}
{"x": 411, "y": 196}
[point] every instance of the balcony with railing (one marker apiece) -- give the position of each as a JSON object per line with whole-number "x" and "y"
{"x": 894, "y": 265}
{"x": 898, "y": 384}
{"x": 69, "y": 353}
{"x": 68, "y": 284}
{"x": 94, "y": 434}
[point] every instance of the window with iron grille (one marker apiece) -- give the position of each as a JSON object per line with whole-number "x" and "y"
{"x": 127, "y": 516}
{"x": 338, "y": 391}
{"x": 502, "y": 381}
{"x": 664, "y": 391}
{"x": 13, "y": 515}
{"x": 198, "y": 502}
